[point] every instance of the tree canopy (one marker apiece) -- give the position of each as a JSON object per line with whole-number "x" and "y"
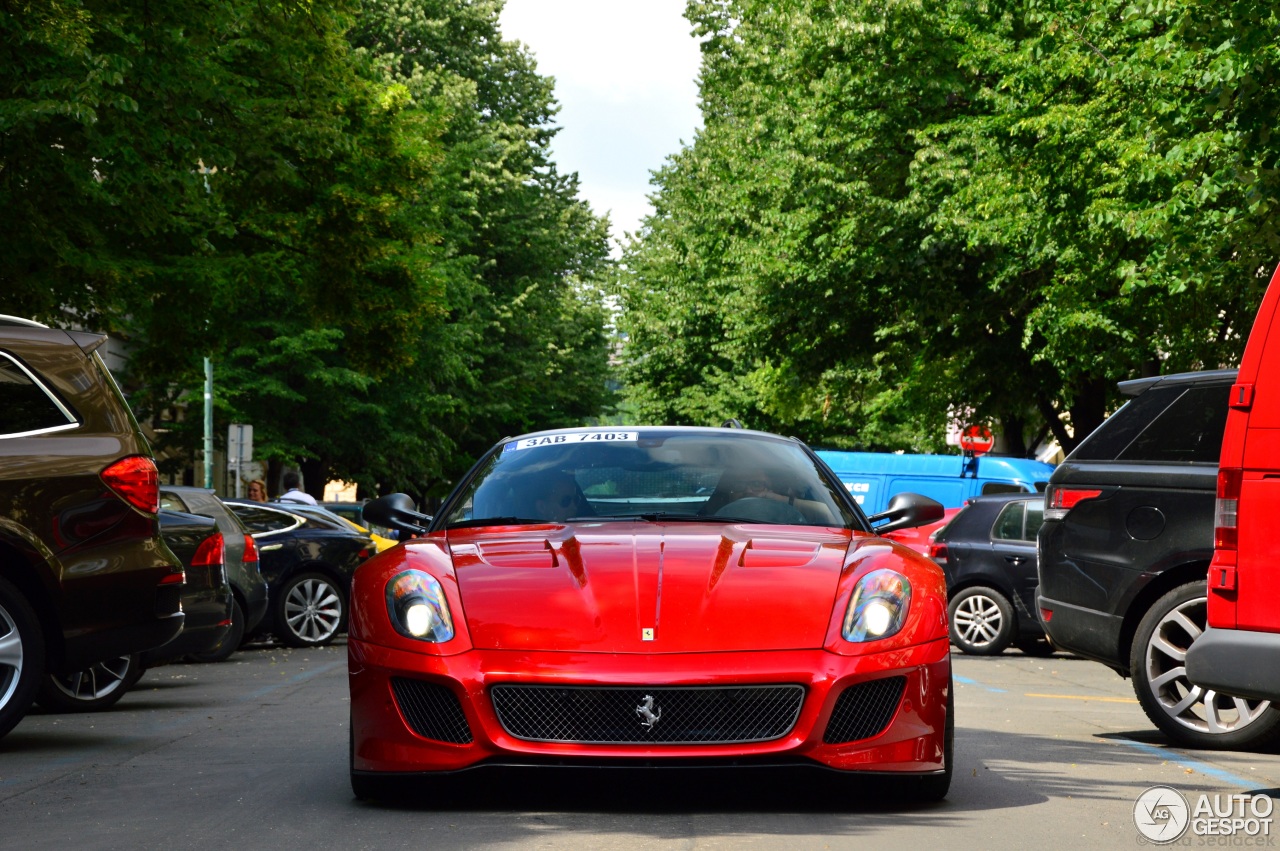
{"x": 898, "y": 214}
{"x": 349, "y": 206}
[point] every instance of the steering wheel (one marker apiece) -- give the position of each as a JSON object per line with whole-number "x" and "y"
{"x": 764, "y": 510}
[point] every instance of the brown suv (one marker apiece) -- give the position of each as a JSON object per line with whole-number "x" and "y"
{"x": 84, "y": 574}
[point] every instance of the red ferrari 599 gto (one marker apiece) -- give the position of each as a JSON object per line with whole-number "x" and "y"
{"x": 639, "y": 595}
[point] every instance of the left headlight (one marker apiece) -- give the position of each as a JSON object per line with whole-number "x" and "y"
{"x": 417, "y": 607}
{"x": 878, "y": 607}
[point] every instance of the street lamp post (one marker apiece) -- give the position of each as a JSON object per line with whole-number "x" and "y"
{"x": 208, "y": 423}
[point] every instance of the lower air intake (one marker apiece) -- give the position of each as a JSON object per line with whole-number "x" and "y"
{"x": 864, "y": 710}
{"x": 432, "y": 710}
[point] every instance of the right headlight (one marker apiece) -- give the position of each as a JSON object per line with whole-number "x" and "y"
{"x": 878, "y": 607}
{"x": 417, "y": 607}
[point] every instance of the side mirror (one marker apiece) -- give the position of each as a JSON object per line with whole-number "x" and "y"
{"x": 907, "y": 510}
{"x": 396, "y": 511}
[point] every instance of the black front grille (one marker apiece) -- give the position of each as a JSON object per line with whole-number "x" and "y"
{"x": 432, "y": 710}
{"x": 648, "y": 714}
{"x": 864, "y": 710}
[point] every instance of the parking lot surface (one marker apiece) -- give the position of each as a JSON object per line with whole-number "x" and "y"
{"x": 1052, "y": 752}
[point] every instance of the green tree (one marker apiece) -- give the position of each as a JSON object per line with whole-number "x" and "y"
{"x": 200, "y": 180}
{"x": 900, "y": 213}
{"x": 522, "y": 345}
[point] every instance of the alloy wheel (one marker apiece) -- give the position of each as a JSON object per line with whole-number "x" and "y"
{"x": 981, "y": 621}
{"x": 1189, "y": 705}
{"x": 313, "y": 610}
{"x": 94, "y": 688}
{"x": 12, "y": 657}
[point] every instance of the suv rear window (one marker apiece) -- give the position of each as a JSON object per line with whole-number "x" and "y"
{"x": 1165, "y": 424}
{"x": 1189, "y": 430}
{"x": 25, "y": 406}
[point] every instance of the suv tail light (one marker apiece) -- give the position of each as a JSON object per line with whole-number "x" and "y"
{"x": 938, "y": 550}
{"x": 1226, "y": 539}
{"x": 1060, "y": 500}
{"x": 212, "y": 550}
{"x": 250, "y": 550}
{"x": 135, "y": 480}
{"x": 1226, "y": 509}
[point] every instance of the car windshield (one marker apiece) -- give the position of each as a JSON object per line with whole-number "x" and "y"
{"x": 650, "y": 475}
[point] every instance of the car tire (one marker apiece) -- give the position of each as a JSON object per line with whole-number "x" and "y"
{"x": 934, "y": 787}
{"x": 93, "y": 689}
{"x": 375, "y": 787}
{"x": 1186, "y": 713}
{"x": 982, "y": 621}
{"x": 310, "y": 611}
{"x": 21, "y": 656}
{"x": 230, "y": 642}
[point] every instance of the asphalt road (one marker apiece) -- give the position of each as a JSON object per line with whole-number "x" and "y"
{"x": 252, "y": 753}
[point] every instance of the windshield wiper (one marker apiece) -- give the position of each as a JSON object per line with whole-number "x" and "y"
{"x": 662, "y": 517}
{"x": 495, "y": 521}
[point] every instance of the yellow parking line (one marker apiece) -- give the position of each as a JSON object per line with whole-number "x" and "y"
{"x": 1085, "y": 697}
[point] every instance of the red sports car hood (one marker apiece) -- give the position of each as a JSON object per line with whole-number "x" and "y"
{"x": 630, "y": 587}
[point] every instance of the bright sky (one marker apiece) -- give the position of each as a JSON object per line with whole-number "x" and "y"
{"x": 626, "y": 80}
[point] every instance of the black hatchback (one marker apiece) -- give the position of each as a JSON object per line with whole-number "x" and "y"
{"x": 307, "y": 555}
{"x": 988, "y": 552}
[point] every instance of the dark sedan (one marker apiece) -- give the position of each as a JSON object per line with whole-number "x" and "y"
{"x": 206, "y": 604}
{"x": 988, "y": 552}
{"x": 248, "y": 588}
{"x": 307, "y": 556}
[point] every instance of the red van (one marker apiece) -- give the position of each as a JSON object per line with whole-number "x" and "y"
{"x": 1239, "y": 653}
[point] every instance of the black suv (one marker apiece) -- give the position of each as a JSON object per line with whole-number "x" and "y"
{"x": 1125, "y": 549}
{"x": 84, "y": 574}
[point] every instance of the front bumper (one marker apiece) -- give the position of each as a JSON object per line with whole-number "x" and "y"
{"x": 1238, "y": 662}
{"x": 912, "y": 742}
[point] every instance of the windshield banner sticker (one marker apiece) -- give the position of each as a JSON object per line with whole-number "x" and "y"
{"x": 575, "y": 437}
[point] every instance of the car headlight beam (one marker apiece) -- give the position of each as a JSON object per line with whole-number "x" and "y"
{"x": 878, "y": 607}
{"x": 417, "y": 607}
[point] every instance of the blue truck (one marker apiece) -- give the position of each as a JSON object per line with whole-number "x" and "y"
{"x": 874, "y": 477}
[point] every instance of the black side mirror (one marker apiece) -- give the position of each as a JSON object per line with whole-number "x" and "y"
{"x": 907, "y": 510}
{"x": 396, "y": 511}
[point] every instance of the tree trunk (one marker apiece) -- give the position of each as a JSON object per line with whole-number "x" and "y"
{"x": 315, "y": 475}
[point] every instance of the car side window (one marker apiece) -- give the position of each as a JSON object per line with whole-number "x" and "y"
{"x": 1035, "y": 519}
{"x": 26, "y": 407}
{"x": 1008, "y": 525}
{"x": 1190, "y": 429}
{"x": 261, "y": 521}
{"x": 1002, "y": 487}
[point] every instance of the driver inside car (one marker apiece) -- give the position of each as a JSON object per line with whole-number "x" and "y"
{"x": 560, "y": 500}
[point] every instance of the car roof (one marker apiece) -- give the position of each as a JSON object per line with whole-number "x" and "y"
{"x": 6, "y": 319}
{"x": 186, "y": 489}
{"x": 1135, "y": 386}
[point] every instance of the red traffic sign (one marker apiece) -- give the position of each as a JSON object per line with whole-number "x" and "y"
{"x": 977, "y": 439}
